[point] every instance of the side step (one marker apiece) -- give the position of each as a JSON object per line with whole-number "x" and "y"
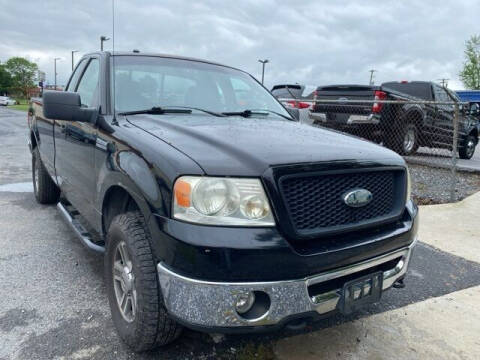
{"x": 79, "y": 229}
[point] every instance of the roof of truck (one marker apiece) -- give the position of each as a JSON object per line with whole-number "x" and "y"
{"x": 151, "y": 54}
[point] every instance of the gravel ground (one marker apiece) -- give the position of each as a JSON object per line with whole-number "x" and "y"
{"x": 432, "y": 185}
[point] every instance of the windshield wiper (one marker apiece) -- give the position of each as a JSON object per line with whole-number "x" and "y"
{"x": 157, "y": 110}
{"x": 199, "y": 109}
{"x": 248, "y": 113}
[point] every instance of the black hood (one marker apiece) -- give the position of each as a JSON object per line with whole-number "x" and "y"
{"x": 248, "y": 146}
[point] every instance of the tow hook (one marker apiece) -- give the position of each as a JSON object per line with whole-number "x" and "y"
{"x": 399, "y": 284}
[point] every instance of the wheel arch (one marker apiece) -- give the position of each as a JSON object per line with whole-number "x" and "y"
{"x": 33, "y": 140}
{"x": 116, "y": 200}
{"x": 474, "y": 132}
{"x": 414, "y": 116}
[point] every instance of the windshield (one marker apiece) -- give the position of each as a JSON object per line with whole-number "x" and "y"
{"x": 143, "y": 82}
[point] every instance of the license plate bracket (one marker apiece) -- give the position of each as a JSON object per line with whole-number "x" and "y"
{"x": 361, "y": 291}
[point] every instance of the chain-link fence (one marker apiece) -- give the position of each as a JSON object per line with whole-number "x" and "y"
{"x": 430, "y": 135}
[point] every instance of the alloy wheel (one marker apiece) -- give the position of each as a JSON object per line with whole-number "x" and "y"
{"x": 409, "y": 140}
{"x": 124, "y": 282}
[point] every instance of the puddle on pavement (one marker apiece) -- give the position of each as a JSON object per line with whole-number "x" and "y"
{"x": 17, "y": 187}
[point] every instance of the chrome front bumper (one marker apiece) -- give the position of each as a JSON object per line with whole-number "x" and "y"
{"x": 212, "y": 304}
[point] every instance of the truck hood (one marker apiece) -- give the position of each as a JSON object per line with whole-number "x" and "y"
{"x": 248, "y": 146}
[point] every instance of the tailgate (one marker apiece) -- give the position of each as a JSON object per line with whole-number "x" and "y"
{"x": 339, "y": 105}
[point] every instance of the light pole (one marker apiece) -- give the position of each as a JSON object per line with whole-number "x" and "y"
{"x": 102, "y": 39}
{"x": 263, "y": 68}
{"x": 55, "y": 70}
{"x": 371, "y": 76}
{"x": 73, "y": 52}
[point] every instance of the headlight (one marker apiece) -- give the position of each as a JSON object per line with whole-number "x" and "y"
{"x": 221, "y": 201}
{"x": 409, "y": 185}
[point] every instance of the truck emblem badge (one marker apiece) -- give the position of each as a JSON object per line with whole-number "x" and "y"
{"x": 357, "y": 197}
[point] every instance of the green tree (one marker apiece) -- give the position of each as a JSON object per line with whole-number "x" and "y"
{"x": 23, "y": 73}
{"x": 470, "y": 75}
{"x": 5, "y": 80}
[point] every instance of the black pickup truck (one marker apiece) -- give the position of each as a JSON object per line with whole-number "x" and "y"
{"x": 214, "y": 208}
{"x": 401, "y": 127}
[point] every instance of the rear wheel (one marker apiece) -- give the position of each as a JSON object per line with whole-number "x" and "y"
{"x": 45, "y": 190}
{"x": 133, "y": 290}
{"x": 406, "y": 142}
{"x": 468, "y": 149}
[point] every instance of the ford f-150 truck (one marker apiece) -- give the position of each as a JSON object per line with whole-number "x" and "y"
{"x": 403, "y": 126}
{"x": 215, "y": 210}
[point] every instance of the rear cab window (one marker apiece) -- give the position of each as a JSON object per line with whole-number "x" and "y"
{"x": 421, "y": 90}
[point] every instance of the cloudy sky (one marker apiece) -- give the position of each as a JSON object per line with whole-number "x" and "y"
{"x": 307, "y": 41}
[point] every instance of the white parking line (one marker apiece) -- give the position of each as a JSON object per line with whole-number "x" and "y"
{"x": 17, "y": 187}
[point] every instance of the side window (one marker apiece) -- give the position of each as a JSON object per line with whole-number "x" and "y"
{"x": 88, "y": 86}
{"x": 440, "y": 94}
{"x": 74, "y": 78}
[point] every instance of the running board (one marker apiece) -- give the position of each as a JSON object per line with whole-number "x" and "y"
{"x": 79, "y": 229}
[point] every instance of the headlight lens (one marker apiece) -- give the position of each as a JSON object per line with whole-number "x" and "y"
{"x": 221, "y": 201}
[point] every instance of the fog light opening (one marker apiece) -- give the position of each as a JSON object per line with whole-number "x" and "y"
{"x": 252, "y": 305}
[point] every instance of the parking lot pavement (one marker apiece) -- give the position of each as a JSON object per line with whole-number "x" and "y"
{"x": 440, "y": 328}
{"x": 53, "y": 302}
{"x": 442, "y": 158}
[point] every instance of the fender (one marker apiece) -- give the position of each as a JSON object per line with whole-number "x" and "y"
{"x": 129, "y": 171}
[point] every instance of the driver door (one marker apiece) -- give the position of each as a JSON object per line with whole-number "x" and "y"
{"x": 75, "y": 146}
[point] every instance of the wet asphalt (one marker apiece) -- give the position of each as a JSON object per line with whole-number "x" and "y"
{"x": 52, "y": 296}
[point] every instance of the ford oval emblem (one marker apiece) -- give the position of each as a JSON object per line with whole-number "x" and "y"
{"x": 357, "y": 197}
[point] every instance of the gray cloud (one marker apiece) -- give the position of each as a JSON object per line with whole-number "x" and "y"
{"x": 308, "y": 41}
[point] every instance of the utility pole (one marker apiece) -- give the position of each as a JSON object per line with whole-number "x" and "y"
{"x": 102, "y": 39}
{"x": 444, "y": 82}
{"x": 371, "y": 76}
{"x": 55, "y": 70}
{"x": 263, "y": 68}
{"x": 73, "y": 52}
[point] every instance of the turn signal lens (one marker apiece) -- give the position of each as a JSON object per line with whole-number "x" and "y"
{"x": 182, "y": 190}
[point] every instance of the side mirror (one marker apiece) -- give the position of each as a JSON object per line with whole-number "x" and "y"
{"x": 64, "y": 105}
{"x": 474, "y": 109}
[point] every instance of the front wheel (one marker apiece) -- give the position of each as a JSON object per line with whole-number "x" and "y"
{"x": 468, "y": 149}
{"x": 44, "y": 188}
{"x": 133, "y": 289}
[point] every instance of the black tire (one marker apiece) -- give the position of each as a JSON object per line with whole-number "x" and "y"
{"x": 467, "y": 149}
{"x": 406, "y": 141}
{"x": 45, "y": 190}
{"x": 150, "y": 326}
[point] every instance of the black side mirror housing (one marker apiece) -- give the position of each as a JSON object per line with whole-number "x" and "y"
{"x": 65, "y": 105}
{"x": 474, "y": 109}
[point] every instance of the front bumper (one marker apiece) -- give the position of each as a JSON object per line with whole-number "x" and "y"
{"x": 211, "y": 305}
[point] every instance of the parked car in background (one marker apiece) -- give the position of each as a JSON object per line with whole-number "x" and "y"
{"x": 304, "y": 94}
{"x": 403, "y": 127}
{"x": 214, "y": 209}
{"x": 5, "y": 101}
